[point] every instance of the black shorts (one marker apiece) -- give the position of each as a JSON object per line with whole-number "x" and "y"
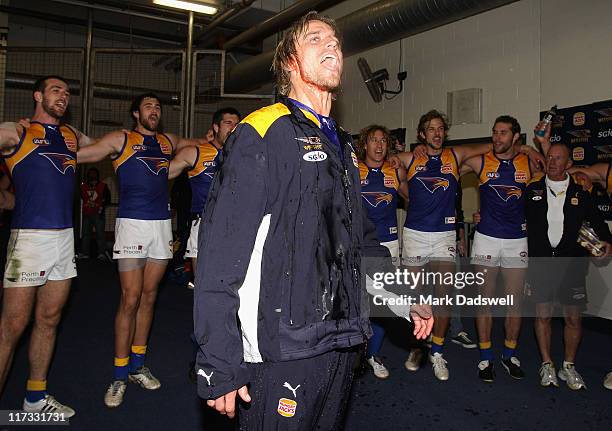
{"x": 304, "y": 394}
{"x": 560, "y": 280}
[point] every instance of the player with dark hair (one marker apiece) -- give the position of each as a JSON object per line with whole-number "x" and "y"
{"x": 41, "y": 159}
{"x": 143, "y": 234}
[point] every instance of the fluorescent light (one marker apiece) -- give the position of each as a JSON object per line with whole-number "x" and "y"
{"x": 188, "y": 5}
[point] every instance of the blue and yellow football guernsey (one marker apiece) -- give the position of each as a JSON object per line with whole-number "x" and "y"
{"x": 432, "y": 190}
{"x": 502, "y": 195}
{"x": 609, "y": 179}
{"x": 43, "y": 167}
{"x": 142, "y": 168}
{"x": 379, "y": 192}
{"x": 202, "y": 174}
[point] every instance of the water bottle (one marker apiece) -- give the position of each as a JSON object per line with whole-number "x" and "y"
{"x": 548, "y": 117}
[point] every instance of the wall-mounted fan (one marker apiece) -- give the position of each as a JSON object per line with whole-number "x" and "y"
{"x": 376, "y": 82}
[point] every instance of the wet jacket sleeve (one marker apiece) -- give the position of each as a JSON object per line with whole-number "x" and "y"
{"x": 234, "y": 211}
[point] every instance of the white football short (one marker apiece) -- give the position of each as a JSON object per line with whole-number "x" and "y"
{"x": 394, "y": 249}
{"x": 504, "y": 252}
{"x": 37, "y": 255}
{"x": 419, "y": 248}
{"x": 192, "y": 242}
{"x": 141, "y": 239}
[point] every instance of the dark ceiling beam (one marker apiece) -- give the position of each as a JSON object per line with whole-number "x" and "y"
{"x": 98, "y": 25}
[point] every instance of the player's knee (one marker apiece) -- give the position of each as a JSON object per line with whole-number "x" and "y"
{"x": 573, "y": 322}
{"x": 148, "y": 296}
{"x": 48, "y": 318}
{"x": 130, "y": 302}
{"x": 11, "y": 329}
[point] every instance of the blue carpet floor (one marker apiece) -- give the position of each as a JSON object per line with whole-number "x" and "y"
{"x": 82, "y": 370}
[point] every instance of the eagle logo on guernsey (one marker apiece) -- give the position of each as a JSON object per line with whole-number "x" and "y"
{"x": 434, "y": 183}
{"x": 155, "y": 164}
{"x": 506, "y": 192}
{"x": 377, "y": 198}
{"x": 61, "y": 162}
{"x": 286, "y": 407}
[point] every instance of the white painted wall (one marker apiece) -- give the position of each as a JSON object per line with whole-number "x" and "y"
{"x": 526, "y": 56}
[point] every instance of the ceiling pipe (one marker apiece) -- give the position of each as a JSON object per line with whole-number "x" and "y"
{"x": 227, "y": 14}
{"x": 22, "y": 81}
{"x": 277, "y": 22}
{"x": 124, "y": 11}
{"x": 165, "y": 38}
{"x": 175, "y": 64}
{"x": 26, "y": 82}
{"x": 375, "y": 25}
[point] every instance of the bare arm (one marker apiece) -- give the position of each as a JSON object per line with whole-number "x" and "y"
{"x": 596, "y": 173}
{"x": 184, "y": 159}
{"x": 179, "y": 143}
{"x": 403, "y": 179}
{"x": 470, "y": 165}
{"x": 84, "y": 140}
{"x": 9, "y": 135}
{"x": 464, "y": 152}
{"x": 7, "y": 199}
{"x": 406, "y": 158}
{"x": 543, "y": 141}
{"x": 107, "y": 145}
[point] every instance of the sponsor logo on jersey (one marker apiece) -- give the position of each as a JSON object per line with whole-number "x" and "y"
{"x": 315, "y": 156}
{"x": 449, "y": 220}
{"x": 286, "y": 407}
{"x": 61, "y": 162}
{"x": 493, "y": 175}
{"x": 389, "y": 182}
{"x": 446, "y": 168}
{"x": 155, "y": 164}
{"x": 434, "y": 183}
{"x": 41, "y": 142}
{"x": 420, "y": 168}
{"x": 166, "y": 147}
{"x": 309, "y": 139}
{"x": 578, "y": 119}
{"x": 70, "y": 144}
{"x": 377, "y": 198}
{"x": 505, "y": 192}
{"x": 520, "y": 176}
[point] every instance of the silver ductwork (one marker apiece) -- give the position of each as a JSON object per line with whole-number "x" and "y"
{"x": 372, "y": 26}
{"x": 279, "y": 21}
{"x": 26, "y": 82}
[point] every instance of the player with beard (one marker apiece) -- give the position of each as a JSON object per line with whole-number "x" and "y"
{"x": 41, "y": 158}
{"x": 500, "y": 242}
{"x": 143, "y": 234}
{"x": 280, "y": 294}
{"x": 429, "y": 230}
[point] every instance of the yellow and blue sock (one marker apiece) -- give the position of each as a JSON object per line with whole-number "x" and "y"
{"x": 121, "y": 368}
{"x": 137, "y": 357}
{"x": 437, "y": 344}
{"x": 36, "y": 390}
{"x": 486, "y": 352}
{"x": 509, "y": 348}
